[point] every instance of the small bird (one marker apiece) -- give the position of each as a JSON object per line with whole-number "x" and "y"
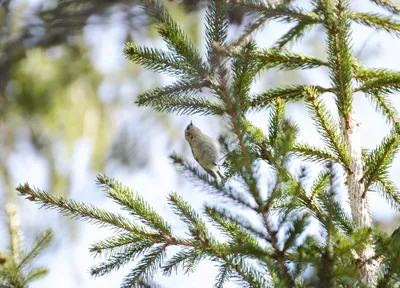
{"x": 205, "y": 150}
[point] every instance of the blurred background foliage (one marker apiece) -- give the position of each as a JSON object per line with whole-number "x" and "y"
{"x": 64, "y": 81}
{"x": 50, "y": 86}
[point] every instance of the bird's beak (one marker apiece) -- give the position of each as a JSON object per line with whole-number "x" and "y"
{"x": 191, "y": 123}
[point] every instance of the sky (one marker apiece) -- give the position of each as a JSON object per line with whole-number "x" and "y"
{"x": 70, "y": 262}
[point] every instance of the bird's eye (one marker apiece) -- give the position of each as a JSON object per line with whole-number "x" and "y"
{"x": 187, "y": 128}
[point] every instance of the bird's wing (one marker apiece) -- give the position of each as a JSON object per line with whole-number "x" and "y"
{"x": 195, "y": 158}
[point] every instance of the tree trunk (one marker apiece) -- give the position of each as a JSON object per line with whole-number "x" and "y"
{"x": 358, "y": 203}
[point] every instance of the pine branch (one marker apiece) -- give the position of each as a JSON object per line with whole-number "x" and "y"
{"x": 243, "y": 70}
{"x": 389, "y": 252}
{"x": 16, "y": 280}
{"x": 41, "y": 243}
{"x": 223, "y": 276}
{"x": 187, "y": 258}
{"x": 279, "y": 11}
{"x": 383, "y": 85}
{"x": 314, "y": 154}
{"x": 216, "y": 24}
{"x": 125, "y": 247}
{"x": 116, "y": 261}
{"x": 213, "y": 187}
{"x": 295, "y": 33}
{"x": 336, "y": 214}
{"x": 175, "y": 38}
{"x": 286, "y": 277}
{"x": 319, "y": 201}
{"x": 380, "y": 160}
{"x": 384, "y": 105}
{"x": 378, "y": 22}
{"x": 115, "y": 244}
{"x": 294, "y": 232}
{"x": 287, "y": 94}
{"x": 233, "y": 230}
{"x": 389, "y": 191}
{"x": 16, "y": 270}
{"x": 252, "y": 27}
{"x": 176, "y": 98}
{"x": 36, "y": 273}
{"x": 388, "y": 5}
{"x": 236, "y": 120}
{"x": 309, "y": 201}
{"x": 189, "y": 106}
{"x": 327, "y": 268}
{"x": 283, "y": 146}
{"x": 146, "y": 267}
{"x": 172, "y": 96}
{"x": 264, "y": 210}
{"x": 198, "y": 230}
{"x": 287, "y": 60}
{"x": 197, "y": 226}
{"x": 240, "y": 221}
{"x": 320, "y": 185}
{"x": 79, "y": 210}
{"x": 157, "y": 60}
{"x": 260, "y": 144}
{"x": 276, "y": 119}
{"x": 362, "y": 74}
{"x": 327, "y": 127}
{"x": 246, "y": 276}
{"x": 340, "y": 58}
{"x": 134, "y": 204}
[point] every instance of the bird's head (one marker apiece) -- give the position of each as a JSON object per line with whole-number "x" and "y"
{"x": 191, "y": 131}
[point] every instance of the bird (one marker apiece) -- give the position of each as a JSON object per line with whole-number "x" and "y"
{"x": 205, "y": 150}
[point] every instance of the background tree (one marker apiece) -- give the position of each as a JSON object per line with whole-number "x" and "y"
{"x": 16, "y": 269}
{"x": 277, "y": 251}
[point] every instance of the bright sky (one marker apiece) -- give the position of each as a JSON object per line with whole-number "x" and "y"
{"x": 70, "y": 263}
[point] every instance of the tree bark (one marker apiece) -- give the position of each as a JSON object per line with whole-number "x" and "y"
{"x": 358, "y": 203}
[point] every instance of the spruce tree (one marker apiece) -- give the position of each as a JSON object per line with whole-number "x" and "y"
{"x": 351, "y": 252}
{"x": 16, "y": 264}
